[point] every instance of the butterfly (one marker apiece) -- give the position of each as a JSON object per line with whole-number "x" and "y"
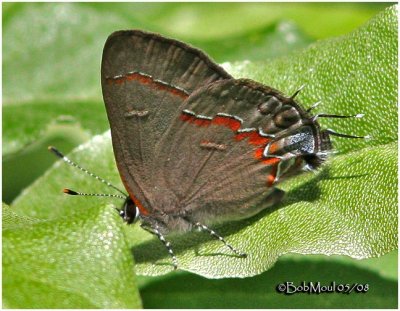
{"x": 193, "y": 145}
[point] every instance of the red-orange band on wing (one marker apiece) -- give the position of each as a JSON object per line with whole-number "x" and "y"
{"x": 227, "y": 121}
{"x": 148, "y": 80}
{"x": 254, "y": 137}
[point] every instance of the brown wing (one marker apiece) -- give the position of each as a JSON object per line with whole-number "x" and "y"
{"x": 145, "y": 78}
{"x": 211, "y": 157}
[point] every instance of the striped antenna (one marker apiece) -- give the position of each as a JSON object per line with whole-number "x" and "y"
{"x": 72, "y": 192}
{"x": 69, "y": 162}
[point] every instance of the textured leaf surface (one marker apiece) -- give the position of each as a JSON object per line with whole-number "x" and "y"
{"x": 76, "y": 262}
{"x": 349, "y": 207}
{"x": 11, "y": 219}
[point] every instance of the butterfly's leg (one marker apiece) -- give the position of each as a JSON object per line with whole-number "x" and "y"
{"x": 155, "y": 231}
{"x": 217, "y": 236}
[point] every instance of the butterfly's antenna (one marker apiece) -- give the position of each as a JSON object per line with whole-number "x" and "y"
{"x": 68, "y": 161}
{"x": 332, "y": 132}
{"x": 324, "y": 115}
{"x": 218, "y": 237}
{"x": 72, "y": 192}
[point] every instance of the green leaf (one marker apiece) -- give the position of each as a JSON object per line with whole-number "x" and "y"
{"x": 348, "y": 208}
{"x": 218, "y": 21}
{"x": 385, "y": 266}
{"x": 76, "y": 262}
{"x": 25, "y": 155}
{"x": 49, "y": 119}
{"x": 282, "y": 38}
{"x": 30, "y": 157}
{"x": 260, "y": 292}
{"x": 11, "y": 219}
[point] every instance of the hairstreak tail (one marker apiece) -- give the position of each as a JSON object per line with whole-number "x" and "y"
{"x": 192, "y": 144}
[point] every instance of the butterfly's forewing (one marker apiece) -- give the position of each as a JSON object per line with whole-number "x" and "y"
{"x": 212, "y": 156}
{"x": 145, "y": 78}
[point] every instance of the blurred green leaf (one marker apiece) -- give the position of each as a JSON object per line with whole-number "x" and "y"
{"x": 25, "y": 155}
{"x": 260, "y": 292}
{"x": 79, "y": 262}
{"x": 218, "y": 21}
{"x": 75, "y": 120}
{"x": 348, "y": 208}
{"x": 283, "y": 38}
{"x": 385, "y": 266}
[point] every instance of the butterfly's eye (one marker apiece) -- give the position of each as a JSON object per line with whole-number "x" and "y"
{"x": 130, "y": 212}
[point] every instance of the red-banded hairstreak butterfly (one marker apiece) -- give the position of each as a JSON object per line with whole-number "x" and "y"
{"x": 192, "y": 144}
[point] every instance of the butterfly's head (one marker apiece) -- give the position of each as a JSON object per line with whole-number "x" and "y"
{"x": 129, "y": 212}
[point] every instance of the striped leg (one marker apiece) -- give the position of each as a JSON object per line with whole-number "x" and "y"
{"x": 217, "y": 236}
{"x": 155, "y": 231}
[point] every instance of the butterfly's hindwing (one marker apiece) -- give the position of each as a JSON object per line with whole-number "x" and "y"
{"x": 222, "y": 153}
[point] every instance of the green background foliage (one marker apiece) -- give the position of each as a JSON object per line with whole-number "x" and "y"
{"x": 71, "y": 252}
